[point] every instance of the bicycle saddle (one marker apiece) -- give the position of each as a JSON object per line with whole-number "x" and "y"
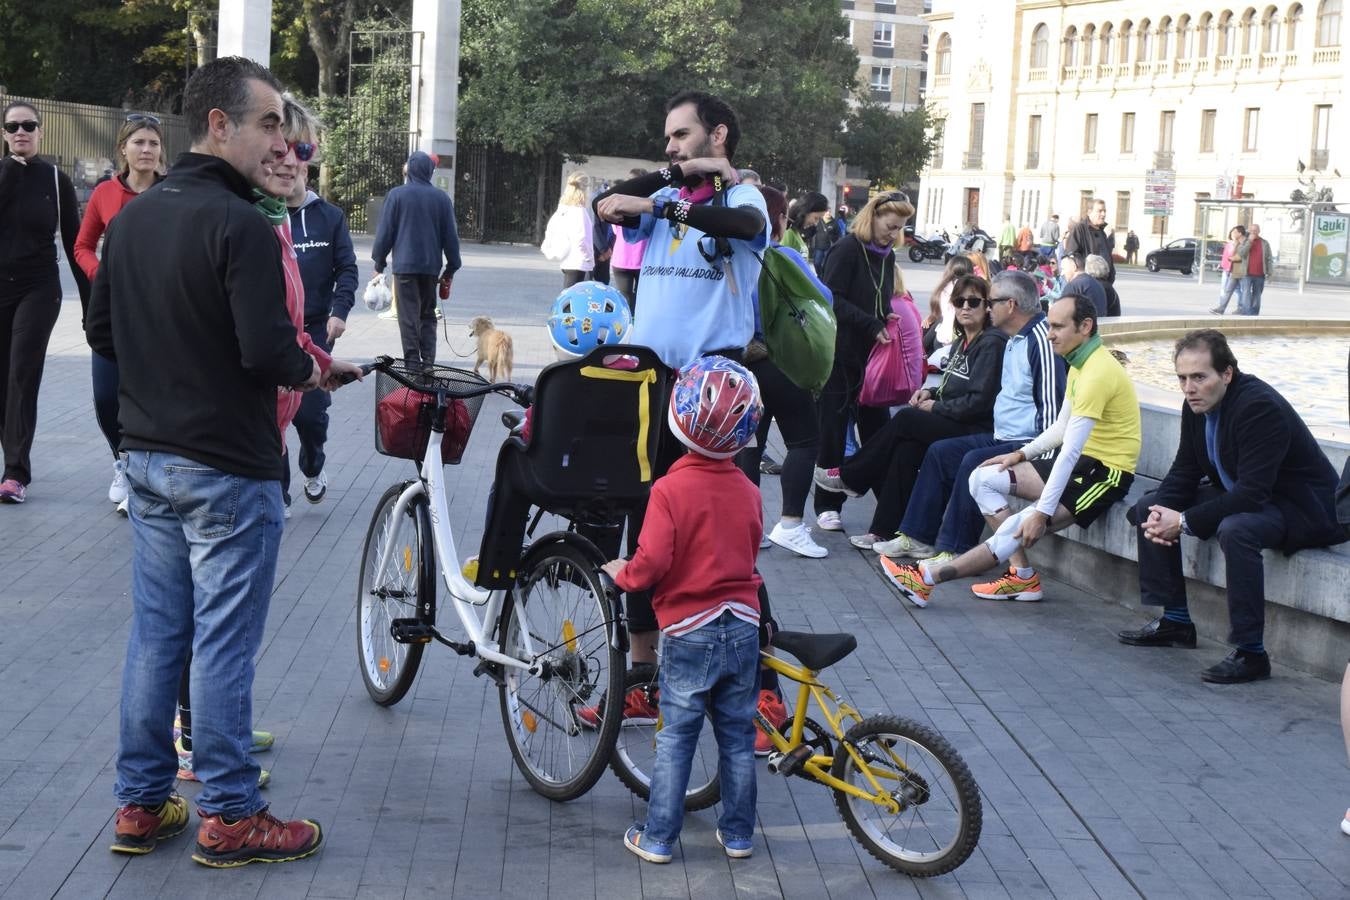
{"x": 816, "y": 651}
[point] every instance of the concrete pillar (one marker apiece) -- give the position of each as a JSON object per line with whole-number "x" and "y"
{"x": 245, "y": 29}
{"x": 435, "y": 94}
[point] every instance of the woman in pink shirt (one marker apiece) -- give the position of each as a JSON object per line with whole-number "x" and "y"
{"x": 626, "y": 262}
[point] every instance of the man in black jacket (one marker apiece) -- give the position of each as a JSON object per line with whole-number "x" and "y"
{"x": 190, "y": 301}
{"x": 1089, "y": 236}
{"x": 1270, "y": 485}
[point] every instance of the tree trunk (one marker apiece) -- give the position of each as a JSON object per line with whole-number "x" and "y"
{"x": 203, "y": 36}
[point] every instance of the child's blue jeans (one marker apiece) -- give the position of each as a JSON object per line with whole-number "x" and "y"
{"x": 713, "y": 671}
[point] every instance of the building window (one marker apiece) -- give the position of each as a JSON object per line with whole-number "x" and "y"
{"x": 1090, "y": 133}
{"x": 1185, "y": 38}
{"x": 1089, "y": 36}
{"x": 1034, "y": 142}
{"x": 1227, "y": 35}
{"x": 883, "y": 34}
{"x": 1251, "y": 122}
{"x": 1084, "y": 203}
{"x": 1207, "y": 119}
{"x": 1123, "y": 210}
{"x": 1040, "y": 47}
{"x": 1127, "y": 132}
{"x": 1249, "y": 32}
{"x": 850, "y": 30}
{"x": 1164, "y": 38}
{"x": 1270, "y": 31}
{"x": 881, "y": 78}
{"x": 1145, "y": 42}
{"x": 944, "y": 55}
{"x": 975, "y": 148}
{"x": 1321, "y": 136}
{"x": 1108, "y": 45}
{"x": 1166, "y": 126}
{"x": 1291, "y": 27}
{"x": 1202, "y": 36}
{"x": 1071, "y": 47}
{"x": 1126, "y": 35}
{"x": 1329, "y": 23}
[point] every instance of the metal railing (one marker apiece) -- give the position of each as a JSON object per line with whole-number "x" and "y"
{"x": 972, "y": 159}
{"x": 1319, "y": 160}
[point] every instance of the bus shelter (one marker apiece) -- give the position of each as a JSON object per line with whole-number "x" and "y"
{"x": 1310, "y": 242}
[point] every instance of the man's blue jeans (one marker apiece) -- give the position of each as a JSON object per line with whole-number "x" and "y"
{"x": 713, "y": 671}
{"x": 204, "y": 557}
{"x": 941, "y": 511}
{"x": 1249, "y": 300}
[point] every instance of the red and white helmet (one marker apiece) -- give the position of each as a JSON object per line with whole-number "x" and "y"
{"x": 715, "y": 407}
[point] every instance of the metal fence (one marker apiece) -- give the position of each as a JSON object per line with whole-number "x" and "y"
{"x": 503, "y": 196}
{"x": 80, "y": 138}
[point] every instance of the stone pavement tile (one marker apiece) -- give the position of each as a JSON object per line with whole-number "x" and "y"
{"x": 1185, "y": 871}
{"x": 1060, "y": 871}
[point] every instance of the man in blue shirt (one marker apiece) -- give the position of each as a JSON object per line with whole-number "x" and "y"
{"x": 940, "y": 522}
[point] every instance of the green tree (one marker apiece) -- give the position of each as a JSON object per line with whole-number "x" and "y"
{"x": 892, "y": 148}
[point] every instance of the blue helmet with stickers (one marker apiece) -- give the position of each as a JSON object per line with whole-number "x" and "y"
{"x": 588, "y": 315}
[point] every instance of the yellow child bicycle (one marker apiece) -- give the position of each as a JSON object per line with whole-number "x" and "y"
{"x": 902, "y": 790}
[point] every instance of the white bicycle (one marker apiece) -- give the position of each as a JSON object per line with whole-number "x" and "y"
{"x": 553, "y": 642}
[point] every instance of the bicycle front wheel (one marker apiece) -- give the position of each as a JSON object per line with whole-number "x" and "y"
{"x": 391, "y": 592}
{"x": 561, "y": 723}
{"x": 634, "y": 757}
{"x": 939, "y": 820}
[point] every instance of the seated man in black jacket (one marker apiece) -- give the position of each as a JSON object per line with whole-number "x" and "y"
{"x": 1270, "y": 485}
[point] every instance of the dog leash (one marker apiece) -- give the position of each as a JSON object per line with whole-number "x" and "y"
{"x": 445, "y": 330}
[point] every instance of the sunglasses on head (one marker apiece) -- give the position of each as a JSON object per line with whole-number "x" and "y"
{"x": 143, "y": 118}
{"x": 893, "y": 197}
{"x": 972, "y": 302}
{"x": 28, "y": 125}
{"x": 304, "y": 151}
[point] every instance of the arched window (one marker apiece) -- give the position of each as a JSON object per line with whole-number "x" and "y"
{"x": 1145, "y": 51}
{"x": 1089, "y": 36}
{"x": 1107, "y": 42}
{"x": 944, "y": 55}
{"x": 1126, "y": 35}
{"x": 1249, "y": 32}
{"x": 1202, "y": 35}
{"x": 1164, "y": 37}
{"x": 1040, "y": 46}
{"x": 1227, "y": 34}
{"x": 1291, "y": 24}
{"x": 1071, "y": 47}
{"x": 1270, "y": 30}
{"x": 1185, "y": 38}
{"x": 1329, "y": 23}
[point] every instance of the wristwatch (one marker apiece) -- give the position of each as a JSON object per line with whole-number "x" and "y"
{"x": 1185, "y": 529}
{"x": 659, "y": 207}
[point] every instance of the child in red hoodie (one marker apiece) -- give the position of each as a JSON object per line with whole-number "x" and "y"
{"x": 696, "y": 553}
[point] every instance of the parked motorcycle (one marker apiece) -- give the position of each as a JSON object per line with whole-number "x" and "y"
{"x": 973, "y": 239}
{"x": 934, "y": 247}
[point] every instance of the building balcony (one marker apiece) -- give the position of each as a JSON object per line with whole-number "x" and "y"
{"x": 1223, "y": 64}
{"x": 1162, "y": 159}
{"x": 942, "y": 81}
{"x": 1324, "y": 55}
{"x": 972, "y": 159}
{"x": 1319, "y": 160}
{"x": 1033, "y": 160}
{"x": 1245, "y": 62}
{"x": 1036, "y": 75}
{"x": 1290, "y": 58}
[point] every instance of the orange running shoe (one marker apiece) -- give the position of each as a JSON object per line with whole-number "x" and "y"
{"x": 1010, "y": 587}
{"x": 771, "y": 707}
{"x": 909, "y": 580}
{"x": 638, "y": 709}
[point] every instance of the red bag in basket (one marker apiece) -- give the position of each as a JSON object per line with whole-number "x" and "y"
{"x": 402, "y": 435}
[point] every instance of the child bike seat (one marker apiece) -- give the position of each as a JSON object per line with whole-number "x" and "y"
{"x": 816, "y": 651}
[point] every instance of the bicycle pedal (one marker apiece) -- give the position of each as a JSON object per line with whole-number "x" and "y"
{"x": 790, "y": 763}
{"x": 491, "y": 670}
{"x": 412, "y": 631}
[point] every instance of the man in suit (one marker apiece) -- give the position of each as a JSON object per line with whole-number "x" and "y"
{"x": 1270, "y": 485}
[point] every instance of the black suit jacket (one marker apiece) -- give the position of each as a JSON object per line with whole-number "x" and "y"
{"x": 1271, "y": 456}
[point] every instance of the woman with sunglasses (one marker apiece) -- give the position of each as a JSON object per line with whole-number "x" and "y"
{"x": 140, "y": 155}
{"x": 961, "y": 404}
{"x": 39, "y": 214}
{"x": 860, "y": 272}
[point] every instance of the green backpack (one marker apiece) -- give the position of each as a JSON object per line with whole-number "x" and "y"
{"x": 797, "y": 320}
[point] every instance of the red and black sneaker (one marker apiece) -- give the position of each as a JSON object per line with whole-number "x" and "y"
{"x": 139, "y": 829}
{"x": 638, "y": 709}
{"x": 261, "y": 837}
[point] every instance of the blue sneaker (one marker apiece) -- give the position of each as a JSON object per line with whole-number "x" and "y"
{"x": 737, "y": 848}
{"x": 636, "y": 840}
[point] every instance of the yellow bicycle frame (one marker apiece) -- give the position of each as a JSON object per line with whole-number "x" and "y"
{"x": 818, "y": 765}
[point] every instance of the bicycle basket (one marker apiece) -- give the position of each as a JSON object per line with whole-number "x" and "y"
{"x": 403, "y": 416}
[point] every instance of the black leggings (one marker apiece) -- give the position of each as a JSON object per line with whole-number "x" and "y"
{"x": 795, "y": 413}
{"x": 838, "y": 399}
{"x": 626, "y": 280}
{"x": 106, "y": 381}
{"x": 571, "y": 277}
{"x": 27, "y": 317}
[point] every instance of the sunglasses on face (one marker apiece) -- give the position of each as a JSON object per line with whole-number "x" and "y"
{"x": 27, "y": 125}
{"x": 968, "y": 302}
{"x": 143, "y": 118}
{"x": 303, "y": 151}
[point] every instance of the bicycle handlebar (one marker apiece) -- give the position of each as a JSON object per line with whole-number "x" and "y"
{"x": 522, "y": 394}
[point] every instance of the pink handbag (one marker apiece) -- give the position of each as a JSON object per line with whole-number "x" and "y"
{"x": 895, "y": 370}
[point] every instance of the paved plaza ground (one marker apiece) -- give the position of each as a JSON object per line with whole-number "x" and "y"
{"x": 1105, "y": 770}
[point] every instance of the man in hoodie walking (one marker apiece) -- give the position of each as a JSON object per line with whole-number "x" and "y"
{"x": 323, "y": 247}
{"x": 418, "y": 226}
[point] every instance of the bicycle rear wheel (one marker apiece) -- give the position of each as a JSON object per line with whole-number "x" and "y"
{"x": 634, "y": 756}
{"x": 940, "y": 816}
{"x": 393, "y": 592}
{"x": 571, "y": 626}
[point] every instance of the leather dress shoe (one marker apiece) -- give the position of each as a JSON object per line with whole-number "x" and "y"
{"x": 1160, "y": 633}
{"x": 1238, "y": 667}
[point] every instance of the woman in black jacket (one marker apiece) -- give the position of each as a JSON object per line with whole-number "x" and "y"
{"x": 963, "y": 403}
{"x": 38, "y": 209}
{"x": 860, "y": 272}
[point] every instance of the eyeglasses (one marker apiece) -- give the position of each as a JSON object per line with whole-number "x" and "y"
{"x": 993, "y": 299}
{"x": 968, "y": 302}
{"x": 27, "y": 125}
{"x": 304, "y": 151}
{"x": 143, "y": 118}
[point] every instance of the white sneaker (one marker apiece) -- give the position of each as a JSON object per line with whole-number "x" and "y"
{"x": 829, "y": 521}
{"x": 1345, "y": 823}
{"x": 122, "y": 509}
{"x": 764, "y": 542}
{"x": 903, "y": 546}
{"x": 797, "y": 539}
{"x": 286, "y": 511}
{"x": 316, "y": 487}
{"x": 865, "y": 541}
{"x": 117, "y": 491}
